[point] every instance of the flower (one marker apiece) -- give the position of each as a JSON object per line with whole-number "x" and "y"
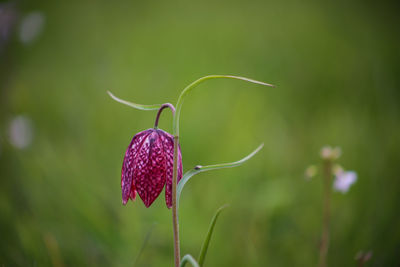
{"x": 343, "y": 181}
{"x": 310, "y": 172}
{"x": 31, "y": 27}
{"x": 148, "y": 166}
{"x": 329, "y": 153}
{"x": 20, "y": 131}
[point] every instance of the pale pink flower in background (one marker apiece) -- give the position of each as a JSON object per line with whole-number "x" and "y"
{"x": 332, "y": 153}
{"x": 31, "y": 27}
{"x": 343, "y": 180}
{"x": 20, "y": 132}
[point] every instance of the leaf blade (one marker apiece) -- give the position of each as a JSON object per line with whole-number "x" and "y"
{"x": 134, "y": 105}
{"x": 189, "y": 174}
{"x": 204, "y": 247}
{"x": 249, "y": 80}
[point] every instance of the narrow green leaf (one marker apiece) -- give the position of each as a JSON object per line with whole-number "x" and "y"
{"x": 189, "y": 258}
{"x": 248, "y": 80}
{"x": 134, "y": 105}
{"x": 189, "y": 174}
{"x": 206, "y": 242}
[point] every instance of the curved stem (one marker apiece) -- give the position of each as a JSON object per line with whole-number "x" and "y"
{"x": 163, "y": 106}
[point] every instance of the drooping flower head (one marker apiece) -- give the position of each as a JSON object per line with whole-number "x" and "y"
{"x": 148, "y": 166}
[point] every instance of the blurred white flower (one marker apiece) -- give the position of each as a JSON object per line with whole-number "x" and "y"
{"x": 31, "y": 26}
{"x": 328, "y": 152}
{"x": 20, "y": 132}
{"x": 343, "y": 180}
{"x": 310, "y": 172}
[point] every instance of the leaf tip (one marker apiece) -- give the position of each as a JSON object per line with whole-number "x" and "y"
{"x": 258, "y": 149}
{"x": 251, "y": 80}
{"x": 265, "y": 84}
{"x": 112, "y": 95}
{"x": 226, "y": 205}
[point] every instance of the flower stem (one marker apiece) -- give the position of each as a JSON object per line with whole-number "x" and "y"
{"x": 163, "y": 106}
{"x": 175, "y": 221}
{"x": 324, "y": 245}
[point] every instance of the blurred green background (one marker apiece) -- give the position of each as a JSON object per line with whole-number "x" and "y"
{"x": 62, "y": 139}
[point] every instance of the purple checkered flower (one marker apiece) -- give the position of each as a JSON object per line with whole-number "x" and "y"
{"x": 148, "y": 166}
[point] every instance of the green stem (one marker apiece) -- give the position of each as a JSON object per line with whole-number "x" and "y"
{"x": 163, "y": 106}
{"x": 175, "y": 221}
{"x": 185, "y": 91}
{"x": 323, "y": 252}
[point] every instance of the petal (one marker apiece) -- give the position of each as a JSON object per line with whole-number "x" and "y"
{"x": 168, "y": 142}
{"x": 149, "y": 169}
{"x": 344, "y": 180}
{"x": 128, "y": 189}
{"x": 132, "y": 196}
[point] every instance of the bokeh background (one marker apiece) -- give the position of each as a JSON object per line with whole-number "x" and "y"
{"x": 62, "y": 139}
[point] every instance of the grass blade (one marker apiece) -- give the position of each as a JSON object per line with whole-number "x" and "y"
{"x": 206, "y": 242}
